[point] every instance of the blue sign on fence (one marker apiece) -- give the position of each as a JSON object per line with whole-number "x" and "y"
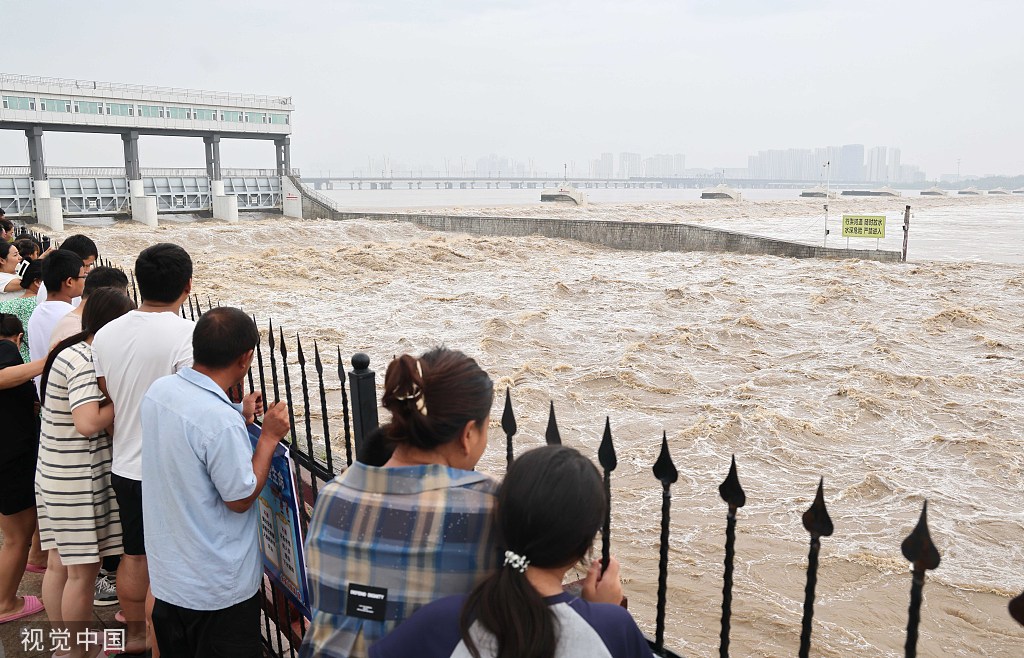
{"x": 280, "y": 533}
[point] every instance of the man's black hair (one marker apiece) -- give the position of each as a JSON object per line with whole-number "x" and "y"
{"x": 105, "y": 277}
{"x": 58, "y": 266}
{"x": 221, "y": 336}
{"x": 162, "y": 272}
{"x": 81, "y": 245}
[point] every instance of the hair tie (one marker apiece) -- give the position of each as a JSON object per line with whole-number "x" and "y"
{"x": 518, "y": 562}
{"x": 416, "y": 393}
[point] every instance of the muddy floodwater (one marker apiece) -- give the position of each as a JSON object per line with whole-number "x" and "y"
{"x": 895, "y": 383}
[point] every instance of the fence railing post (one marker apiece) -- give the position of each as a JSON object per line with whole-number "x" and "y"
{"x": 1017, "y": 609}
{"x": 667, "y": 474}
{"x": 817, "y": 522}
{"x": 922, "y": 554}
{"x": 732, "y": 493}
{"x": 508, "y": 425}
{"x": 551, "y": 434}
{"x": 363, "y": 389}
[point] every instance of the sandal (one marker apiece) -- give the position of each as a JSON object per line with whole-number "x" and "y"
{"x": 31, "y": 606}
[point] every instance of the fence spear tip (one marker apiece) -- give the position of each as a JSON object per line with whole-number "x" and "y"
{"x": 551, "y": 434}
{"x": 918, "y": 547}
{"x": 816, "y": 518}
{"x": 298, "y": 350}
{"x": 1017, "y": 609}
{"x": 606, "y": 452}
{"x": 730, "y": 490}
{"x": 664, "y": 469}
{"x": 508, "y": 417}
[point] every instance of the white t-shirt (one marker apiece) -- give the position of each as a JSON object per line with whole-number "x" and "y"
{"x": 6, "y": 278}
{"x": 131, "y": 353}
{"x": 41, "y": 324}
{"x": 41, "y": 296}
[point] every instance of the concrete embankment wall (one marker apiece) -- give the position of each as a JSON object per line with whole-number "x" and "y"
{"x": 641, "y": 236}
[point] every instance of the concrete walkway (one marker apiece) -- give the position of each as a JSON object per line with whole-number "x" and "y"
{"x": 11, "y": 632}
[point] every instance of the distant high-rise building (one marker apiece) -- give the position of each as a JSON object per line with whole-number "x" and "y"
{"x": 878, "y": 172}
{"x": 851, "y": 163}
{"x": 630, "y": 165}
{"x": 895, "y": 172}
{"x": 493, "y": 166}
{"x": 606, "y": 168}
{"x": 658, "y": 166}
{"x": 678, "y": 164}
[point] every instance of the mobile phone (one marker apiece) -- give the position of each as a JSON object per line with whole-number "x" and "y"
{"x": 46, "y": 242}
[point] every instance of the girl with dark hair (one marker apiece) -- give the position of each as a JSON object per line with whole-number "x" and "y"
{"x": 384, "y": 541}
{"x": 31, "y": 279}
{"x": 550, "y": 507}
{"x": 78, "y": 516}
{"x": 17, "y": 468}
{"x": 10, "y": 283}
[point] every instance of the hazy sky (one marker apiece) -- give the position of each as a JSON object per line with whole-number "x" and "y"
{"x": 419, "y": 82}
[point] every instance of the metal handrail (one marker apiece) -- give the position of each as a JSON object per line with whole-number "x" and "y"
{"x": 150, "y": 89}
{"x": 118, "y": 172}
{"x": 319, "y": 197}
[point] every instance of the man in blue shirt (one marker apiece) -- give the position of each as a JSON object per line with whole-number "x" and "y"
{"x": 202, "y": 479}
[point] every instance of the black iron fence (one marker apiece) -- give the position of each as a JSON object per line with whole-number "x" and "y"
{"x": 283, "y": 624}
{"x": 316, "y": 465}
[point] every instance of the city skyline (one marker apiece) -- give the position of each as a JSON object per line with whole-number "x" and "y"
{"x": 849, "y": 163}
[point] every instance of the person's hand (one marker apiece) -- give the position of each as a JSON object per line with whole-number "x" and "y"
{"x": 275, "y": 422}
{"x": 252, "y": 406}
{"x": 603, "y": 588}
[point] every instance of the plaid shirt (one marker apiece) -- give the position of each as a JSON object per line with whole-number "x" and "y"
{"x": 420, "y": 532}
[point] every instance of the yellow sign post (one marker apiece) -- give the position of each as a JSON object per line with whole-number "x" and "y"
{"x": 864, "y": 226}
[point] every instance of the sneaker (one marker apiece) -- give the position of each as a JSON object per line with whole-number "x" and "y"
{"x": 106, "y": 592}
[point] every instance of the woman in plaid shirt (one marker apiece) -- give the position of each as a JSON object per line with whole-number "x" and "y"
{"x": 385, "y": 541}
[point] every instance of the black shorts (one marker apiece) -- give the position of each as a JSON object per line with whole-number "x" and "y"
{"x": 17, "y": 485}
{"x": 129, "y": 500}
{"x": 233, "y": 632}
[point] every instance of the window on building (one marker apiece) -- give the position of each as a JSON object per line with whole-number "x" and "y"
{"x": 278, "y": 119}
{"x": 179, "y": 113}
{"x": 19, "y": 103}
{"x": 120, "y": 109}
{"x": 204, "y": 114}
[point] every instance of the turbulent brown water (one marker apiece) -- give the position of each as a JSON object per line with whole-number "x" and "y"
{"x": 896, "y": 383}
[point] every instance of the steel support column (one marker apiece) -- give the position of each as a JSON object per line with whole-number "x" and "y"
{"x": 131, "y": 155}
{"x": 212, "y": 156}
{"x": 208, "y": 143}
{"x": 35, "y": 152}
{"x": 284, "y": 155}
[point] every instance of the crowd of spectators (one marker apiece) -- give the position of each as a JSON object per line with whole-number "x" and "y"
{"x": 132, "y": 465}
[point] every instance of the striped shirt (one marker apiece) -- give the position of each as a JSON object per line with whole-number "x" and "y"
{"x": 415, "y": 533}
{"x": 75, "y": 502}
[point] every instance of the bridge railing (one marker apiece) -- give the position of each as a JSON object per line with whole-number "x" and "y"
{"x": 118, "y": 172}
{"x": 144, "y": 89}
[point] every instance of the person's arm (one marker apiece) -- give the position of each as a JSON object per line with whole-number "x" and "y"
{"x": 12, "y": 376}
{"x": 275, "y": 427}
{"x": 90, "y": 418}
{"x": 603, "y": 587}
{"x": 13, "y": 284}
